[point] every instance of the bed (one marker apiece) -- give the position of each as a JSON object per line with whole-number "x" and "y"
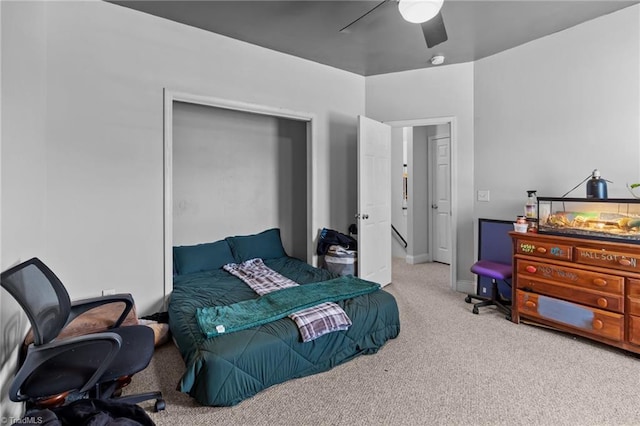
{"x": 228, "y": 368}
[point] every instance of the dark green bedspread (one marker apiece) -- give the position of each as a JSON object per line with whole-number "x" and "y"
{"x": 217, "y": 320}
{"x": 226, "y": 369}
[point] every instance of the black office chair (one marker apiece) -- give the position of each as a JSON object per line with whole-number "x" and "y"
{"x": 94, "y": 365}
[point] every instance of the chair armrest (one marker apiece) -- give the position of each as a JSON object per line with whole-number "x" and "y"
{"x": 38, "y": 355}
{"x": 81, "y": 306}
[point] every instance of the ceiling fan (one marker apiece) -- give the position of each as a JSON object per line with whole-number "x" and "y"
{"x": 424, "y": 12}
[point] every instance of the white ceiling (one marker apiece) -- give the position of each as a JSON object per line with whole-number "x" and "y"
{"x": 382, "y": 42}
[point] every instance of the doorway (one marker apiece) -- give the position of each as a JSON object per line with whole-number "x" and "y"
{"x": 429, "y": 209}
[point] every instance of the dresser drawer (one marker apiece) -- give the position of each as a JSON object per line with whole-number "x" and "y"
{"x": 633, "y": 297}
{"x": 594, "y": 321}
{"x": 545, "y": 249}
{"x": 580, "y": 295}
{"x": 634, "y": 329}
{"x": 608, "y": 259}
{"x": 573, "y": 276}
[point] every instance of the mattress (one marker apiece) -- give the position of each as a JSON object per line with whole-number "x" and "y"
{"x": 226, "y": 369}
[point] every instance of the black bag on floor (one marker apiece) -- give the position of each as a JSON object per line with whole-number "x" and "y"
{"x": 329, "y": 237}
{"x": 90, "y": 412}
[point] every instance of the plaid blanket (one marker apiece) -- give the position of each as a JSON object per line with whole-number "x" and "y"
{"x": 312, "y": 322}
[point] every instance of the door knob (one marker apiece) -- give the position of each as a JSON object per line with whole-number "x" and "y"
{"x": 434, "y": 206}
{"x": 365, "y": 216}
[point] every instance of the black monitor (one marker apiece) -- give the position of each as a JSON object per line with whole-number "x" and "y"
{"x": 494, "y": 243}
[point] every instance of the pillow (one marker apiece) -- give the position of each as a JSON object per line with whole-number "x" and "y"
{"x": 265, "y": 245}
{"x": 202, "y": 257}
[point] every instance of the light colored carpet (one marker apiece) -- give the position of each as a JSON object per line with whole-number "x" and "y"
{"x": 447, "y": 367}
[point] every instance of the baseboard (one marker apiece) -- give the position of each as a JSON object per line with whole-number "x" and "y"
{"x": 466, "y": 286}
{"x": 420, "y": 258}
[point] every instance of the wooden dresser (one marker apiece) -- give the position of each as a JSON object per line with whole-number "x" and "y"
{"x": 582, "y": 286}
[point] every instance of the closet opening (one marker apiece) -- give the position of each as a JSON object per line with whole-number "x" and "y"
{"x": 235, "y": 169}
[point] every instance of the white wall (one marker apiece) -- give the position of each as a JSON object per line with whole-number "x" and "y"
{"x": 23, "y": 166}
{"x": 557, "y": 108}
{"x": 102, "y": 70}
{"x": 431, "y": 93}
{"x": 238, "y": 173}
{"x": 418, "y": 191}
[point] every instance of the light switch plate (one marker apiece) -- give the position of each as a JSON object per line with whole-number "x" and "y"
{"x": 483, "y": 195}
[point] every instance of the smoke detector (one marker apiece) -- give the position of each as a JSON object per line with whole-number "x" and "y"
{"x": 437, "y": 60}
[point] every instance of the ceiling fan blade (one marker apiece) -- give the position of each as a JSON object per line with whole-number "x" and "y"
{"x": 434, "y": 31}
{"x": 346, "y": 27}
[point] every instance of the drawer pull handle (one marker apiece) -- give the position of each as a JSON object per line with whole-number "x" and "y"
{"x": 541, "y": 250}
{"x": 602, "y": 302}
{"x": 530, "y": 304}
{"x": 531, "y": 269}
{"x": 624, "y": 262}
{"x": 600, "y": 282}
{"x": 597, "y": 324}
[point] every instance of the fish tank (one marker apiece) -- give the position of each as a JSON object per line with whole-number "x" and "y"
{"x": 615, "y": 219}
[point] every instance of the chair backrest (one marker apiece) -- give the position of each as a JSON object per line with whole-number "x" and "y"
{"x": 41, "y": 295}
{"x": 495, "y": 244}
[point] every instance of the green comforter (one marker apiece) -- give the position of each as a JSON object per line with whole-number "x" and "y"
{"x": 216, "y": 320}
{"x": 228, "y": 368}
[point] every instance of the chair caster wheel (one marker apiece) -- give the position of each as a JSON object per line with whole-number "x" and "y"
{"x": 467, "y": 299}
{"x": 159, "y": 405}
{"x": 475, "y": 310}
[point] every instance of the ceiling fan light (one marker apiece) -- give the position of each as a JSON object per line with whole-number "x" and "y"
{"x": 419, "y": 11}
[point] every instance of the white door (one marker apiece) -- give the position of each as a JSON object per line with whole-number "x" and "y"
{"x": 441, "y": 199}
{"x": 374, "y": 201}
